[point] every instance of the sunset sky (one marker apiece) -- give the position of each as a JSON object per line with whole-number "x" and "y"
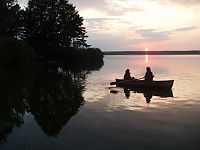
{"x": 138, "y": 24}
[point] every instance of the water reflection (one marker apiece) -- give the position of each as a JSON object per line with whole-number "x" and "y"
{"x": 51, "y": 93}
{"x": 54, "y": 97}
{"x": 148, "y": 94}
{"x": 146, "y": 58}
{"x": 12, "y": 102}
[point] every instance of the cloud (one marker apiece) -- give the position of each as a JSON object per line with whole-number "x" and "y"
{"x": 128, "y": 41}
{"x": 89, "y": 3}
{"x": 185, "y": 3}
{"x": 86, "y": 4}
{"x": 186, "y": 29}
{"x": 123, "y": 10}
{"x": 108, "y": 7}
{"x": 101, "y": 24}
{"x": 113, "y": 26}
{"x": 152, "y": 34}
{"x": 106, "y": 41}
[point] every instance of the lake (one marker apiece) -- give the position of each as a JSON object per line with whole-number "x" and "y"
{"x": 58, "y": 108}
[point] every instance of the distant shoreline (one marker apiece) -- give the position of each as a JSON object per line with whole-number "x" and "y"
{"x": 189, "y": 52}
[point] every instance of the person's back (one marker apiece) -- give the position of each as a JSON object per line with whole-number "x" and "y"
{"x": 148, "y": 75}
{"x": 127, "y": 75}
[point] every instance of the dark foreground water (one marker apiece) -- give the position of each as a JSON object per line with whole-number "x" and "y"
{"x": 54, "y": 107}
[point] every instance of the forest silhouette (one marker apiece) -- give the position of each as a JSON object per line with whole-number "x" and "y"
{"x": 43, "y": 30}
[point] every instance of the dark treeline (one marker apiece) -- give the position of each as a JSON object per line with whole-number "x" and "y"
{"x": 83, "y": 58}
{"x": 51, "y": 28}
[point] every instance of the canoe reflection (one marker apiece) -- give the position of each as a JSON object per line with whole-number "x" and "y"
{"x": 148, "y": 94}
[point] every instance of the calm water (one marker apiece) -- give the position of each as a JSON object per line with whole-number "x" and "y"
{"x": 57, "y": 108}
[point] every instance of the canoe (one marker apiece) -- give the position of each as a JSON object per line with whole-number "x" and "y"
{"x": 162, "y": 84}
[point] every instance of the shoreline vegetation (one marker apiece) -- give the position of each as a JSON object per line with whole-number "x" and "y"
{"x": 48, "y": 31}
{"x": 186, "y": 52}
{"x": 14, "y": 52}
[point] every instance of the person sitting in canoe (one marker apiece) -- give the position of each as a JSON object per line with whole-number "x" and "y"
{"x": 127, "y": 75}
{"x": 148, "y": 75}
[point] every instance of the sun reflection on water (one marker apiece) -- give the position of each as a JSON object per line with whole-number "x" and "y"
{"x": 146, "y": 58}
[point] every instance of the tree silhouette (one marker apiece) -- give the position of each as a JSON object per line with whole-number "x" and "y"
{"x": 9, "y": 17}
{"x": 52, "y": 24}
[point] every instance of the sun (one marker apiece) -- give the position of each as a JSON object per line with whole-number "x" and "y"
{"x": 146, "y": 49}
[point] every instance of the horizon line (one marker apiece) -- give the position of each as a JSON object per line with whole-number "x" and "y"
{"x": 185, "y": 52}
{"x": 147, "y": 51}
